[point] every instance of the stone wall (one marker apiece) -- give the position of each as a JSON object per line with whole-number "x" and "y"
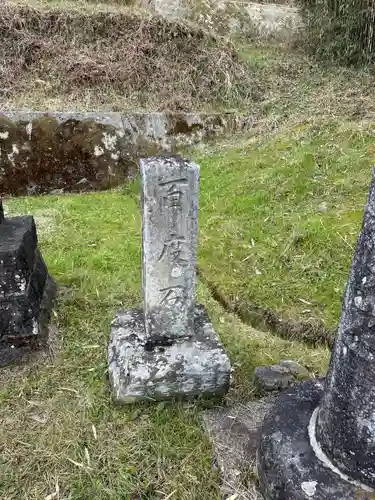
{"x": 58, "y": 152}
{"x": 231, "y": 17}
{"x": 274, "y": 21}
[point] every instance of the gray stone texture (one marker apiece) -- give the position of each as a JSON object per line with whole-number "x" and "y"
{"x": 278, "y": 377}
{"x": 288, "y": 467}
{"x": 346, "y": 419}
{"x": 320, "y": 443}
{"x": 169, "y": 349}
{"x": 296, "y": 369}
{"x": 26, "y": 289}
{"x": 170, "y": 187}
{"x": 143, "y": 368}
{"x": 273, "y": 378}
{"x": 152, "y": 133}
{"x": 52, "y": 152}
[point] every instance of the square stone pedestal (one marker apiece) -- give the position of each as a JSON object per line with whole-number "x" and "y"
{"x": 159, "y": 368}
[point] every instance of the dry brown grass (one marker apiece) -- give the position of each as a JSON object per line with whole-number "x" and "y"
{"x": 149, "y": 61}
{"x": 59, "y": 55}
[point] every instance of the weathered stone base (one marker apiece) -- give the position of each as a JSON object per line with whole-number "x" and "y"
{"x": 9, "y": 352}
{"x": 288, "y": 466}
{"x": 161, "y": 369}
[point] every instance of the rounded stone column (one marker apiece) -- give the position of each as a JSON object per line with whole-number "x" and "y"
{"x": 345, "y": 426}
{"x": 318, "y": 441}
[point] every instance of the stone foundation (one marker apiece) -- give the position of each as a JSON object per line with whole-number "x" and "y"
{"x": 159, "y": 369}
{"x": 291, "y": 464}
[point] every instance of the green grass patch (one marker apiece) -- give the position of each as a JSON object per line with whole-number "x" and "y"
{"x": 58, "y": 423}
{"x": 279, "y": 219}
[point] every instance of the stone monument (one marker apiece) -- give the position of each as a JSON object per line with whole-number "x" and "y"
{"x": 167, "y": 350}
{"x": 318, "y": 441}
{"x": 27, "y": 291}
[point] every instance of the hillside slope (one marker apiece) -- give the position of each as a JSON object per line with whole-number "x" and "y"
{"x": 80, "y": 56}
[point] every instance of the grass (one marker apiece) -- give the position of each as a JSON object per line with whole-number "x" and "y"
{"x": 48, "y": 411}
{"x": 283, "y": 216}
{"x": 123, "y": 58}
{"x": 279, "y": 217}
{"x": 62, "y": 56}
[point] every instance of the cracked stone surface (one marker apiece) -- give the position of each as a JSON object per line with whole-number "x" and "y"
{"x": 159, "y": 369}
{"x": 170, "y": 189}
{"x": 288, "y": 465}
{"x": 169, "y": 349}
{"x": 56, "y": 152}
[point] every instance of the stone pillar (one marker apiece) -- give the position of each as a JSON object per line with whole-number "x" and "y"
{"x": 346, "y": 417}
{"x": 319, "y": 441}
{"x": 168, "y": 349}
{"x": 169, "y": 222}
{"x": 27, "y": 291}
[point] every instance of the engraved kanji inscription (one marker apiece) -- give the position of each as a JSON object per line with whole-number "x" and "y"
{"x": 174, "y": 248}
{"x": 170, "y": 187}
{"x": 173, "y": 295}
{"x": 174, "y": 193}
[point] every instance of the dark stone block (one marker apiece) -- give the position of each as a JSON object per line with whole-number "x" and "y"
{"x": 19, "y": 309}
{"x": 12, "y": 350}
{"x": 18, "y": 244}
{"x": 15, "y": 317}
{"x": 18, "y": 232}
{"x": 26, "y": 290}
{"x": 287, "y": 464}
{"x": 37, "y": 281}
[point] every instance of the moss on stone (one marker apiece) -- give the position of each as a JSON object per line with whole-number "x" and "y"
{"x": 44, "y": 154}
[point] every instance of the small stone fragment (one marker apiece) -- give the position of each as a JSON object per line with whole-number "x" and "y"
{"x": 296, "y": 369}
{"x": 273, "y": 378}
